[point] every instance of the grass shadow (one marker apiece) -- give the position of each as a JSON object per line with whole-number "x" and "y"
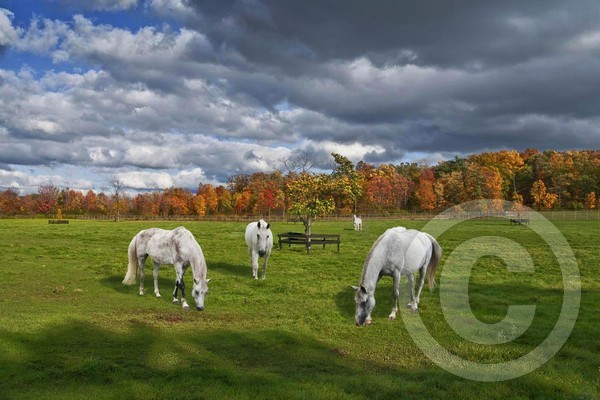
{"x": 344, "y": 300}
{"x": 231, "y": 269}
{"x": 67, "y": 359}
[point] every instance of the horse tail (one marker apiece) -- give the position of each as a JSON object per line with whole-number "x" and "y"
{"x": 436, "y": 256}
{"x": 132, "y": 267}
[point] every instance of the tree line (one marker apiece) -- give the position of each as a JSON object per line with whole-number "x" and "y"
{"x": 542, "y": 180}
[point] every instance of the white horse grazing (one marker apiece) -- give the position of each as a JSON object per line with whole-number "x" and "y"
{"x": 259, "y": 239}
{"x": 357, "y": 223}
{"x": 177, "y": 247}
{"x": 397, "y": 252}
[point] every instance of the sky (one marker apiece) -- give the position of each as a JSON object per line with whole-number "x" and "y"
{"x": 163, "y": 93}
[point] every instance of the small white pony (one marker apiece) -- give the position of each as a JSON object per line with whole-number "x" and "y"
{"x": 399, "y": 251}
{"x": 259, "y": 239}
{"x": 357, "y": 223}
{"x": 177, "y": 247}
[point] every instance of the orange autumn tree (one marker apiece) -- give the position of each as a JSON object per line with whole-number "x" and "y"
{"x": 452, "y": 187}
{"x": 200, "y": 205}
{"x": 541, "y": 198}
{"x": 379, "y": 192}
{"x": 483, "y": 183}
{"x": 424, "y": 192}
{"x": 506, "y": 162}
{"x": 210, "y": 196}
{"x": 590, "y": 200}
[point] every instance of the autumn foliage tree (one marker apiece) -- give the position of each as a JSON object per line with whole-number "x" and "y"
{"x": 541, "y": 198}
{"x": 424, "y": 192}
{"x": 311, "y": 196}
{"x": 47, "y": 198}
{"x": 547, "y": 179}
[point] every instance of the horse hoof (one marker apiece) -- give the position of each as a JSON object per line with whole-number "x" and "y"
{"x": 175, "y": 301}
{"x": 392, "y": 317}
{"x": 415, "y": 310}
{"x": 368, "y": 322}
{"x": 158, "y": 296}
{"x": 186, "y": 307}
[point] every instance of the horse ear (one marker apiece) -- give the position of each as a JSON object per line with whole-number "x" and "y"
{"x": 363, "y": 289}
{"x": 268, "y": 225}
{"x": 208, "y": 280}
{"x": 258, "y": 225}
{"x": 354, "y": 287}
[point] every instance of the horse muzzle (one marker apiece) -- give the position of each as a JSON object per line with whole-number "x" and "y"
{"x": 262, "y": 253}
{"x": 200, "y": 308}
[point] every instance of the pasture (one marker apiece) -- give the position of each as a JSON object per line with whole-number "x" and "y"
{"x": 70, "y": 329}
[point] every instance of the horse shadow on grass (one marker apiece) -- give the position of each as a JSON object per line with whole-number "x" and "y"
{"x": 230, "y": 269}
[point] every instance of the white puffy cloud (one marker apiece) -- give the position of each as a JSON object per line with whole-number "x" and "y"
{"x": 8, "y": 33}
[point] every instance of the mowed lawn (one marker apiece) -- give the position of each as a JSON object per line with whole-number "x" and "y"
{"x": 70, "y": 329}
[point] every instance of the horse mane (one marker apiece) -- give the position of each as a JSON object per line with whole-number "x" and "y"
{"x": 368, "y": 259}
{"x": 197, "y": 261}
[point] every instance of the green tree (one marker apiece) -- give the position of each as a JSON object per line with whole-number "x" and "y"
{"x": 311, "y": 196}
{"x": 349, "y": 182}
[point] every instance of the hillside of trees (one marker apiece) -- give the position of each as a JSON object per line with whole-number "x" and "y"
{"x": 541, "y": 180}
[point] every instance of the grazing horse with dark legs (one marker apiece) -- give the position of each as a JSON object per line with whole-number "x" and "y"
{"x": 177, "y": 247}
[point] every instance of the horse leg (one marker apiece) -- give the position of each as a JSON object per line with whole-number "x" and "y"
{"x": 264, "y": 272}
{"x": 179, "y": 271}
{"x": 142, "y": 265}
{"x": 254, "y": 256}
{"x": 421, "y": 283}
{"x": 177, "y": 280}
{"x": 411, "y": 287}
{"x": 155, "y": 275}
{"x": 175, "y": 299}
{"x": 396, "y": 294}
{"x": 184, "y": 303}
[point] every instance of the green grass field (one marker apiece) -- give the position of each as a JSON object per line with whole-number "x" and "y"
{"x": 70, "y": 329}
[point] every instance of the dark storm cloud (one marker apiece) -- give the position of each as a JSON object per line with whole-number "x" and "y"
{"x": 423, "y": 75}
{"x": 441, "y": 33}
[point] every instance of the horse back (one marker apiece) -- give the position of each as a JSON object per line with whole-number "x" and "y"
{"x": 400, "y": 249}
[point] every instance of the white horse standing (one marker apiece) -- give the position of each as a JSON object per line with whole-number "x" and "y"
{"x": 259, "y": 239}
{"x": 177, "y": 247}
{"x": 396, "y": 252}
{"x": 357, "y": 223}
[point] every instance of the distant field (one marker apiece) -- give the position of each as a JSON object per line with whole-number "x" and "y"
{"x": 70, "y": 329}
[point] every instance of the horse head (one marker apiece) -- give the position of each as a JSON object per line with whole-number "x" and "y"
{"x": 365, "y": 302}
{"x": 199, "y": 292}
{"x": 262, "y": 235}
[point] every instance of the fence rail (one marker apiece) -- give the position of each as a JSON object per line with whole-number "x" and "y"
{"x": 554, "y": 215}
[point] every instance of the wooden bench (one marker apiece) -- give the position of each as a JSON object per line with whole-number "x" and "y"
{"x": 519, "y": 221}
{"x": 291, "y": 238}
